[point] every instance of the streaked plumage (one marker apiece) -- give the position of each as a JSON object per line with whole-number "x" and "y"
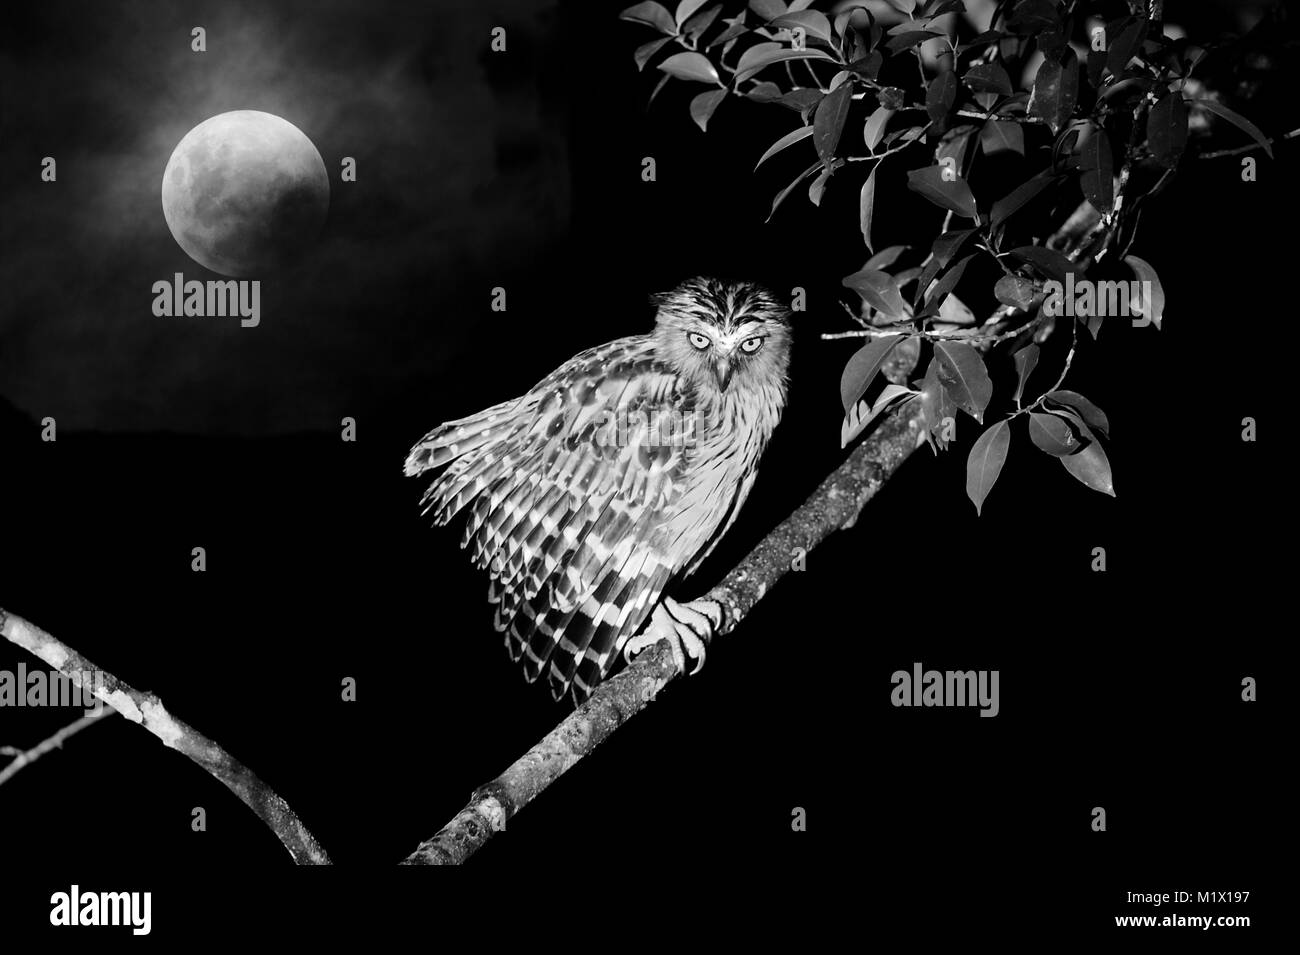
{"x": 583, "y": 505}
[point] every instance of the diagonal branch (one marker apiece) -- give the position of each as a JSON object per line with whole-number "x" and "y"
{"x": 835, "y": 504}
{"x": 147, "y": 710}
{"x": 27, "y": 757}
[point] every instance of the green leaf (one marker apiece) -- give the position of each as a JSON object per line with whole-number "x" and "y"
{"x": 906, "y": 41}
{"x": 951, "y": 194}
{"x": 777, "y": 56}
{"x": 862, "y": 368}
{"x": 1145, "y": 273}
{"x": 690, "y": 66}
{"x": 696, "y": 25}
{"x": 1015, "y": 291}
{"x": 828, "y": 122}
{"x": 1090, "y": 413}
{"x": 757, "y": 54}
{"x": 884, "y": 258}
{"x": 813, "y": 23}
{"x": 941, "y": 95}
{"x": 767, "y": 9}
{"x": 1091, "y": 467}
{"x": 686, "y": 8}
{"x": 1056, "y": 87}
{"x": 651, "y": 14}
{"x": 818, "y": 185}
{"x": 936, "y": 403}
{"x": 1051, "y": 434}
{"x": 862, "y": 414}
{"x": 948, "y": 282}
{"x": 963, "y": 373}
{"x": 785, "y": 193}
{"x": 702, "y": 107}
{"x": 878, "y": 289}
{"x": 1026, "y": 361}
{"x": 1214, "y": 106}
{"x": 789, "y": 139}
{"x": 988, "y": 78}
{"x": 866, "y": 208}
{"x": 1019, "y": 197}
{"x": 647, "y": 50}
{"x": 987, "y": 456}
{"x": 949, "y": 244}
{"x": 1097, "y": 172}
{"x": 1002, "y": 136}
{"x": 1049, "y": 262}
{"x": 875, "y": 127}
{"x": 1167, "y": 129}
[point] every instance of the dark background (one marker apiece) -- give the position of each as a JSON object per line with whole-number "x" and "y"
{"x": 522, "y": 170}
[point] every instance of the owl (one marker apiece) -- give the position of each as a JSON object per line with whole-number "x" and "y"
{"x": 615, "y": 476}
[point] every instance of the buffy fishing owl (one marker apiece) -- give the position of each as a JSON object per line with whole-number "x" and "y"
{"x": 616, "y": 475}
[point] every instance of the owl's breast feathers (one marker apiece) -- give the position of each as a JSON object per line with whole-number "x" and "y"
{"x": 588, "y": 494}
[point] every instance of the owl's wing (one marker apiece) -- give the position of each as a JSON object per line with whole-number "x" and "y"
{"x": 569, "y": 502}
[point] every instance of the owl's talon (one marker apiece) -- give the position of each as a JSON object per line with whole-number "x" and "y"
{"x": 686, "y": 628}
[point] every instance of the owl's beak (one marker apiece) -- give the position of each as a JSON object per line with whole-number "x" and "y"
{"x": 722, "y": 372}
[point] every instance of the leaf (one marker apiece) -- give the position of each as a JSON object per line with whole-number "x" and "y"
{"x": 866, "y": 207}
{"x": 963, "y": 373}
{"x": 784, "y": 193}
{"x": 702, "y": 107}
{"x": 954, "y": 311}
{"x": 1089, "y": 412}
{"x": 987, "y": 456}
{"x": 789, "y": 139}
{"x": 1051, "y": 263}
{"x": 906, "y": 7}
{"x": 764, "y": 92}
{"x": 812, "y": 22}
{"x": 1002, "y": 136}
{"x": 696, "y": 25}
{"x": 878, "y": 289}
{"x": 1026, "y": 361}
{"x": 690, "y": 66}
{"x": 767, "y": 9}
{"x": 941, "y": 95}
{"x": 1015, "y": 291}
{"x": 1056, "y": 87}
{"x": 946, "y": 194}
{"x": 948, "y": 244}
{"x": 1127, "y": 43}
{"x": 906, "y": 41}
{"x": 875, "y": 127}
{"x": 651, "y": 14}
{"x": 1051, "y": 434}
{"x": 1091, "y": 467}
{"x": 1167, "y": 129}
{"x": 828, "y": 123}
{"x": 1096, "y": 167}
{"x": 1033, "y": 16}
{"x": 686, "y": 8}
{"x": 884, "y": 258}
{"x": 936, "y": 403}
{"x": 818, "y": 185}
{"x": 1241, "y": 122}
{"x": 777, "y": 56}
{"x": 861, "y": 415}
{"x": 736, "y": 26}
{"x": 990, "y": 78}
{"x": 1018, "y": 197}
{"x": 757, "y": 54}
{"x": 948, "y": 282}
{"x": 647, "y": 50}
{"x": 1145, "y": 273}
{"x": 862, "y": 368}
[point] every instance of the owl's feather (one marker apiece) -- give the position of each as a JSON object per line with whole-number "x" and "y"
{"x": 583, "y": 508}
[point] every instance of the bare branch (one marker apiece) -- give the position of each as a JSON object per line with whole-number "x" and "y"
{"x": 147, "y": 710}
{"x": 27, "y": 757}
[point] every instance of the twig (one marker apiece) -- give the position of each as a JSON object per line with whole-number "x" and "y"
{"x": 835, "y": 504}
{"x": 1218, "y": 153}
{"x": 27, "y": 757}
{"x": 147, "y": 710}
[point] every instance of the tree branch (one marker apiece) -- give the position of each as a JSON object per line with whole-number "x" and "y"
{"x": 26, "y": 757}
{"x": 835, "y": 504}
{"x": 148, "y": 711}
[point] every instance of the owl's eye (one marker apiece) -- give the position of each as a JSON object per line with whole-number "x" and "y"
{"x": 699, "y": 341}
{"x": 751, "y": 345}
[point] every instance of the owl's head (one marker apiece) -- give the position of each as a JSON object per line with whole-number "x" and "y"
{"x": 723, "y": 337}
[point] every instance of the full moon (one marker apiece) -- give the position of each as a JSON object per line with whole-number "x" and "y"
{"x": 244, "y": 192}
